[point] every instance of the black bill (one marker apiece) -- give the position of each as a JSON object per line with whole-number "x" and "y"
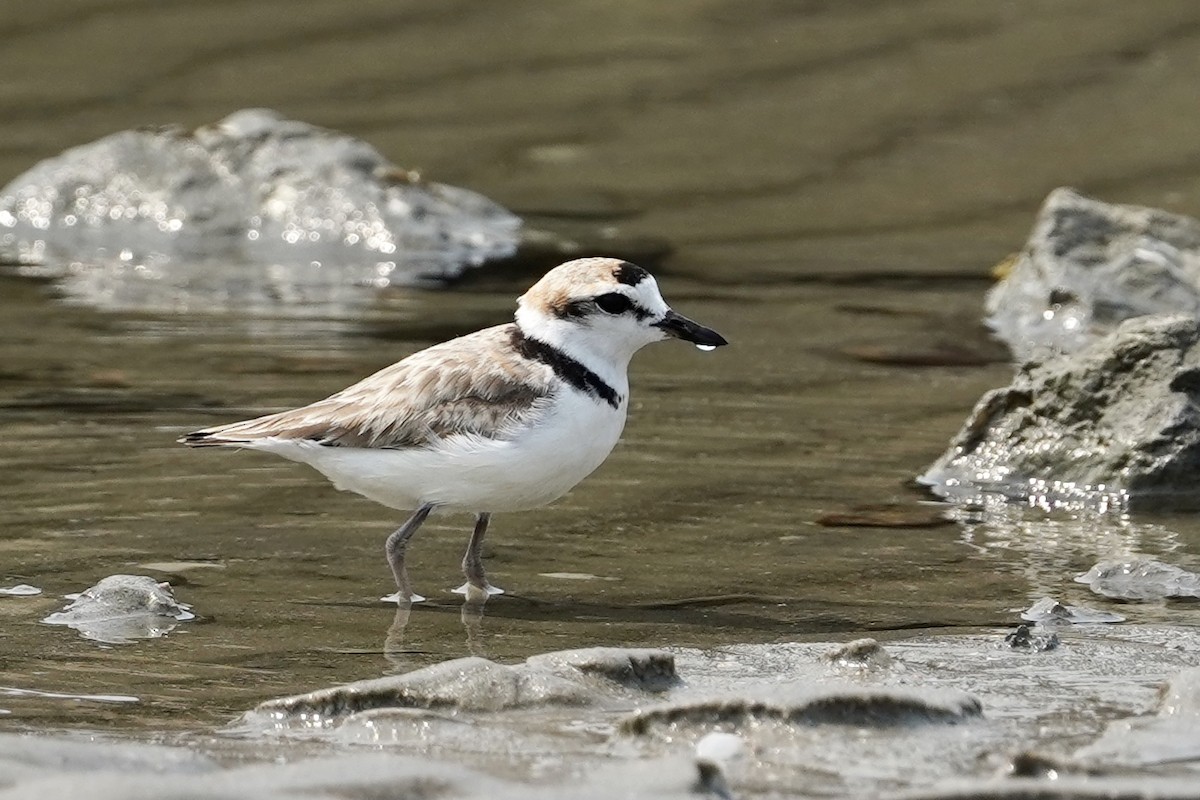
{"x": 681, "y": 327}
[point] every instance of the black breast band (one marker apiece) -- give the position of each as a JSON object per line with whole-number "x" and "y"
{"x": 565, "y": 367}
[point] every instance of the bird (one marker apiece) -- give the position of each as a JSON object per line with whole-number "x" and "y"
{"x": 507, "y": 418}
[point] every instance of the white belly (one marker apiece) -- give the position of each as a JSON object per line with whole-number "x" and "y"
{"x": 467, "y": 473}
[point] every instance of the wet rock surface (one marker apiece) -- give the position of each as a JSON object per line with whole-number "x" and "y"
{"x": 1171, "y": 736}
{"x": 1088, "y": 266}
{"x": 1026, "y": 638}
{"x": 836, "y": 705}
{"x": 1049, "y": 612}
{"x": 739, "y": 721}
{"x": 122, "y": 608}
{"x": 568, "y": 678}
{"x": 29, "y": 758}
{"x": 20, "y": 590}
{"x": 860, "y": 653}
{"x": 1140, "y": 579}
{"x": 1115, "y": 424}
{"x": 644, "y": 669}
{"x": 1060, "y": 788}
{"x": 253, "y": 212}
{"x": 357, "y": 776}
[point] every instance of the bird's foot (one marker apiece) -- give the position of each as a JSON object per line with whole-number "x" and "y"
{"x": 398, "y": 598}
{"x": 473, "y": 592}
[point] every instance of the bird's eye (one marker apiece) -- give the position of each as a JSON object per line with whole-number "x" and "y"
{"x": 614, "y": 303}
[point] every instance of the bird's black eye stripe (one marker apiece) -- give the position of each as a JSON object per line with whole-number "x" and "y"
{"x": 614, "y": 303}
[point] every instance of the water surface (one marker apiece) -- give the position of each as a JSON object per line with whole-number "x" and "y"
{"x": 836, "y": 181}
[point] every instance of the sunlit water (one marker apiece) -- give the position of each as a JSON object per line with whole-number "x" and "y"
{"x": 699, "y": 530}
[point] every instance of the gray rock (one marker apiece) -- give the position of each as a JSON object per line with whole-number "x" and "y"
{"x": 359, "y": 776}
{"x": 1048, "y": 611}
{"x": 1023, "y": 638}
{"x": 472, "y": 683}
{"x": 882, "y": 706}
{"x": 122, "y": 608}
{"x": 1171, "y": 736}
{"x": 1140, "y": 579}
{"x": 254, "y": 212}
{"x": 25, "y": 757}
{"x": 1116, "y": 423}
{"x": 644, "y": 669}
{"x": 353, "y": 776}
{"x": 1061, "y": 788}
{"x": 1087, "y": 267}
{"x": 567, "y": 678}
{"x": 20, "y": 590}
{"x": 859, "y": 653}
{"x": 1181, "y": 695}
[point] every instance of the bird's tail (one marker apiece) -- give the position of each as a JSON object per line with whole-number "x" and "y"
{"x": 208, "y": 438}
{"x": 235, "y": 434}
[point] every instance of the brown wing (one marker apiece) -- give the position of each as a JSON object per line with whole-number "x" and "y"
{"x": 474, "y": 384}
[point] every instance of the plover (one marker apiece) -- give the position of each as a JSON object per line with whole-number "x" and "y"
{"x": 504, "y": 419}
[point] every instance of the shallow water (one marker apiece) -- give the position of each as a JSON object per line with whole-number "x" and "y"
{"x": 836, "y": 182}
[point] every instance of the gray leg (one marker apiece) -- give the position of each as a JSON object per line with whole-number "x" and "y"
{"x": 473, "y": 561}
{"x": 396, "y": 544}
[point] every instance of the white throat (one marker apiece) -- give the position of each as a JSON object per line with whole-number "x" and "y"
{"x": 607, "y": 356}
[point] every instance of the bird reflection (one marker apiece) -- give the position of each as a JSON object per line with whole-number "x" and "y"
{"x": 400, "y": 658}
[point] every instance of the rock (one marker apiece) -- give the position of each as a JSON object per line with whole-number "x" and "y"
{"x": 85, "y": 769}
{"x": 472, "y": 683}
{"x": 121, "y": 608}
{"x": 1029, "y": 764}
{"x": 858, "y": 653}
{"x": 644, "y": 669}
{"x": 1140, "y": 579}
{"x": 1170, "y": 736}
{"x": 887, "y": 515}
{"x": 1048, "y": 611}
{"x": 881, "y": 706}
{"x": 1023, "y": 638}
{"x": 475, "y": 684}
{"x": 1181, "y": 694}
{"x": 254, "y": 212}
{"x": 345, "y": 776}
{"x": 20, "y": 590}
{"x": 1061, "y": 788}
{"x": 1087, "y": 267}
{"x": 23, "y": 757}
{"x": 1115, "y": 424}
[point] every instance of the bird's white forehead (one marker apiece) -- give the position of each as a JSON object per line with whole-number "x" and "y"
{"x": 589, "y": 277}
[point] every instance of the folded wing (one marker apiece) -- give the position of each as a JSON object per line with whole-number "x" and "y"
{"x": 474, "y": 385}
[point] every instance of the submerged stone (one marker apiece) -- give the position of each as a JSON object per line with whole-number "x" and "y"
{"x": 1048, "y": 611}
{"x": 253, "y": 212}
{"x": 122, "y": 608}
{"x": 878, "y": 707}
{"x": 20, "y": 590}
{"x": 1088, "y": 266}
{"x": 1140, "y": 579}
{"x": 1115, "y": 424}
